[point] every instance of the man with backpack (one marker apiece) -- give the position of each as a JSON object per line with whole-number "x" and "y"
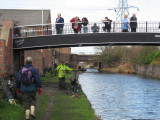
{"x": 28, "y": 82}
{"x": 61, "y": 69}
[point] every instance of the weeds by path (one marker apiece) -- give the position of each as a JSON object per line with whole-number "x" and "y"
{"x": 11, "y": 112}
{"x": 66, "y": 105}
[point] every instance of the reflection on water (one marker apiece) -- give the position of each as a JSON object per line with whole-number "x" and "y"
{"x": 117, "y": 97}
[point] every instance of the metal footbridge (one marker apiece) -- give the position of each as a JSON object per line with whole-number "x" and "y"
{"x": 44, "y": 36}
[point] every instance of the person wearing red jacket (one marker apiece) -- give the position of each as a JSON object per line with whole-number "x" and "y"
{"x": 76, "y": 24}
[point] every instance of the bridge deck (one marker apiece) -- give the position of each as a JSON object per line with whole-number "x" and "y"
{"x": 90, "y": 39}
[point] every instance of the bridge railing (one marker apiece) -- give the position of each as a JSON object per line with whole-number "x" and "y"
{"x": 116, "y": 26}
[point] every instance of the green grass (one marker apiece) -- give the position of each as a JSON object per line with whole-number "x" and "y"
{"x": 69, "y": 108}
{"x": 66, "y": 107}
{"x": 11, "y": 112}
{"x": 42, "y": 106}
{"x": 54, "y": 79}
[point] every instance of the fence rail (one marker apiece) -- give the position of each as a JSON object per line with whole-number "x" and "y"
{"x": 116, "y": 26}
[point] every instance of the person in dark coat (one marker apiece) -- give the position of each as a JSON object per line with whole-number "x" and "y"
{"x": 28, "y": 91}
{"x": 16, "y": 30}
{"x": 95, "y": 28}
{"x": 133, "y": 23}
{"x": 59, "y": 24}
{"x": 74, "y": 81}
{"x": 107, "y": 23}
{"x": 55, "y": 71}
{"x": 85, "y": 23}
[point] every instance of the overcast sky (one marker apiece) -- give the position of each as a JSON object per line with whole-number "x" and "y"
{"x": 94, "y": 10}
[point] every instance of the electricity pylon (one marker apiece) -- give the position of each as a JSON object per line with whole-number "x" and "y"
{"x": 123, "y": 9}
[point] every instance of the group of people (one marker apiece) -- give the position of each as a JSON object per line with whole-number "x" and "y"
{"x": 77, "y": 24}
{"x": 28, "y": 82}
{"x": 132, "y": 24}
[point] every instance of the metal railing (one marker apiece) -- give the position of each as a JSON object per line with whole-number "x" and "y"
{"x": 116, "y": 26}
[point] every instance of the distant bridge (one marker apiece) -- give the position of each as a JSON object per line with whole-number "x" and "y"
{"x": 148, "y": 33}
{"x": 83, "y": 58}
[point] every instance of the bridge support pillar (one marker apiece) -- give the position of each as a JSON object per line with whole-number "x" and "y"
{"x": 6, "y": 47}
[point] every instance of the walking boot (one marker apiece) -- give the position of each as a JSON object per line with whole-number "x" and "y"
{"x": 27, "y": 114}
{"x": 33, "y": 113}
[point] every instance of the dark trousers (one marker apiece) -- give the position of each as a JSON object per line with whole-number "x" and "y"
{"x": 28, "y": 99}
{"x": 59, "y": 31}
{"x": 108, "y": 29}
{"x": 74, "y": 86}
{"x": 133, "y": 29}
{"x": 125, "y": 30}
{"x": 75, "y": 31}
{"x": 62, "y": 83}
{"x": 55, "y": 72}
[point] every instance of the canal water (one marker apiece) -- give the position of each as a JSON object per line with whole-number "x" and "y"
{"x": 121, "y": 97}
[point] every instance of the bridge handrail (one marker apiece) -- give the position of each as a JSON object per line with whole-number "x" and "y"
{"x": 116, "y": 26}
{"x": 80, "y": 22}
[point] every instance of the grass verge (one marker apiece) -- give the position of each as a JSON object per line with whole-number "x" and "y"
{"x": 67, "y": 107}
{"x": 42, "y": 106}
{"x": 11, "y": 112}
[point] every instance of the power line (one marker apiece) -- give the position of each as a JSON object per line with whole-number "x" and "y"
{"x": 122, "y": 9}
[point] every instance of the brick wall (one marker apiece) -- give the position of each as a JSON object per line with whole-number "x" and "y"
{"x": 3, "y": 64}
{"x": 63, "y": 54}
{"x": 6, "y": 47}
{"x": 37, "y": 59}
{"x": 48, "y": 57}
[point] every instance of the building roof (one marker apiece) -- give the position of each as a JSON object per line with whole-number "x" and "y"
{"x": 25, "y": 16}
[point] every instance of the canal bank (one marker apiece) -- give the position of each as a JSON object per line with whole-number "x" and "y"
{"x": 53, "y": 103}
{"x": 128, "y": 68}
{"x": 56, "y": 104}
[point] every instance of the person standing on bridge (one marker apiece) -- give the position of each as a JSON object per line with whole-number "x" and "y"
{"x": 125, "y": 23}
{"x": 59, "y": 24}
{"x": 95, "y": 28}
{"x": 133, "y": 23}
{"x": 76, "y": 24}
{"x": 107, "y": 23}
{"x": 85, "y": 23}
{"x": 16, "y": 30}
{"x": 61, "y": 69}
{"x": 27, "y": 82}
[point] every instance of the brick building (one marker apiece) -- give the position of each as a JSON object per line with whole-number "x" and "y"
{"x": 11, "y": 61}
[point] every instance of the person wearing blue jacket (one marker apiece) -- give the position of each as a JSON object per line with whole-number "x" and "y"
{"x": 125, "y": 23}
{"x": 29, "y": 90}
{"x": 59, "y": 24}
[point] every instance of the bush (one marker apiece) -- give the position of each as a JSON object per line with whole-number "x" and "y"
{"x": 151, "y": 57}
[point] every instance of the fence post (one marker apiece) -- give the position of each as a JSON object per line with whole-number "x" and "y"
{"x": 146, "y": 26}
{"x": 47, "y": 29}
{"x": 113, "y": 26}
